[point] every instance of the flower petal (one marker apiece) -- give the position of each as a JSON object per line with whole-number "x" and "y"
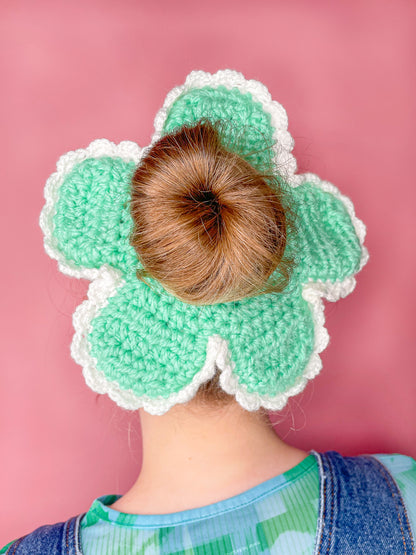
{"x": 86, "y": 219}
{"x": 270, "y": 338}
{"x": 147, "y": 341}
{"x": 254, "y": 121}
{"x": 328, "y": 240}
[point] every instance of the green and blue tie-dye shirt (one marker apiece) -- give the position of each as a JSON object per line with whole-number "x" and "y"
{"x": 277, "y": 516}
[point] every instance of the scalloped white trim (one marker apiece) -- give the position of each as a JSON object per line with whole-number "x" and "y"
{"x": 107, "y": 280}
{"x": 233, "y": 79}
{"x": 127, "y": 150}
{"x": 359, "y": 226}
{"x": 104, "y": 286}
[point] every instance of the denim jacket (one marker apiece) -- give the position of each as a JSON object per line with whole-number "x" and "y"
{"x": 361, "y": 511}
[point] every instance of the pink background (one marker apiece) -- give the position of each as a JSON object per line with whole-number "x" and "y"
{"x": 75, "y": 71}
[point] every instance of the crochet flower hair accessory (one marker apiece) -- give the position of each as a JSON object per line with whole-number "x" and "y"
{"x": 143, "y": 346}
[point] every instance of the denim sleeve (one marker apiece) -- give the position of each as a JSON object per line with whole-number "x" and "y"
{"x": 403, "y": 470}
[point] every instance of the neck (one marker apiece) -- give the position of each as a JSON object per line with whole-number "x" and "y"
{"x": 197, "y": 457}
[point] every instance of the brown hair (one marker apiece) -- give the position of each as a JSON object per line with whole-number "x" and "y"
{"x": 207, "y": 225}
{"x": 211, "y": 395}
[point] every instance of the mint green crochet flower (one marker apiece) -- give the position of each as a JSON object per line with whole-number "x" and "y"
{"x": 144, "y": 347}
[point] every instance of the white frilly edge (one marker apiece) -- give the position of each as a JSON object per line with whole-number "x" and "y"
{"x": 231, "y": 79}
{"x": 106, "y": 280}
{"x": 127, "y": 150}
{"x": 104, "y": 286}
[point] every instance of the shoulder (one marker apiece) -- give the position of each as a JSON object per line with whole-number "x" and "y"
{"x": 403, "y": 470}
{"x": 49, "y": 538}
{"x": 398, "y": 464}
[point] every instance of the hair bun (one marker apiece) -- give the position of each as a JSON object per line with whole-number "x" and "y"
{"x": 207, "y": 225}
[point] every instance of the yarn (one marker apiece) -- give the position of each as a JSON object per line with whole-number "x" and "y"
{"x": 143, "y": 346}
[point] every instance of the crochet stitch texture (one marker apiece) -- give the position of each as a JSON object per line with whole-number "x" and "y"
{"x": 143, "y": 346}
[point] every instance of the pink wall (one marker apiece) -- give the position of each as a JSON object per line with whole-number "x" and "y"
{"x": 75, "y": 71}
